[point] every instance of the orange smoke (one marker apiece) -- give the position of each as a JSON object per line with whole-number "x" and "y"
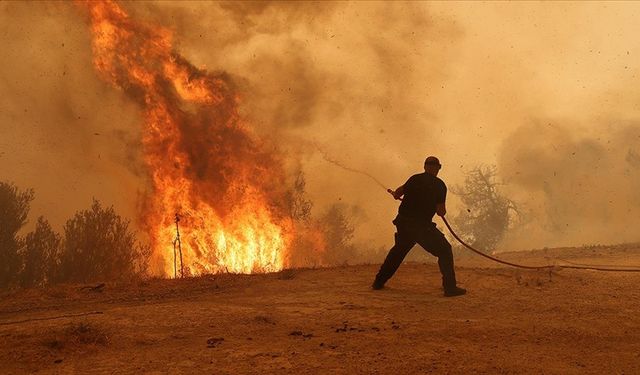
{"x": 204, "y": 162}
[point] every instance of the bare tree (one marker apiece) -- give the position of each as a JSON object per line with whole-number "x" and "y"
{"x": 14, "y": 208}
{"x": 487, "y": 214}
{"x": 300, "y": 206}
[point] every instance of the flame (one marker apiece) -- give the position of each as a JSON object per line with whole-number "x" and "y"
{"x": 204, "y": 162}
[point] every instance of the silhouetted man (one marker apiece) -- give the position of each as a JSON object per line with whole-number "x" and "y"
{"x": 423, "y": 195}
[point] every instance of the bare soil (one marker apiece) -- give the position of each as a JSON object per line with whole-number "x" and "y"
{"x": 329, "y": 321}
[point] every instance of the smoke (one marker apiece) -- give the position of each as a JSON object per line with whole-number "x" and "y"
{"x": 358, "y": 81}
{"x": 62, "y": 131}
{"x": 569, "y": 155}
{"x": 378, "y": 86}
{"x": 579, "y": 189}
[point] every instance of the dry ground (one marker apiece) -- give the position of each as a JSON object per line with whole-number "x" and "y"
{"x": 329, "y": 321}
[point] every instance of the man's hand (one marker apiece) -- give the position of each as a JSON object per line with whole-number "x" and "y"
{"x": 393, "y": 193}
{"x": 441, "y": 209}
{"x": 397, "y": 194}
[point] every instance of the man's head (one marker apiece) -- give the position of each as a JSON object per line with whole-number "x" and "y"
{"x": 432, "y": 165}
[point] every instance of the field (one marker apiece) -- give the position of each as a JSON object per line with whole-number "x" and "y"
{"x": 329, "y": 321}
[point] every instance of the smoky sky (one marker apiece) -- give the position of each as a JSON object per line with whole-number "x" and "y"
{"x": 579, "y": 189}
{"x": 379, "y": 86}
{"x": 63, "y": 132}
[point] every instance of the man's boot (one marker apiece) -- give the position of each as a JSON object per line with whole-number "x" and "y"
{"x": 454, "y": 291}
{"x": 377, "y": 285}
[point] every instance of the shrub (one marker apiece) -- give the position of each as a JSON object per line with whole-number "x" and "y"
{"x": 41, "y": 249}
{"x": 14, "y": 208}
{"x": 337, "y": 225}
{"x": 99, "y": 245}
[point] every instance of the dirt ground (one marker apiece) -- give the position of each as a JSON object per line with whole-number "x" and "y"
{"x": 329, "y": 321}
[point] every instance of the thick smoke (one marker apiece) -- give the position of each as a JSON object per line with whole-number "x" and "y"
{"x": 62, "y": 131}
{"x": 578, "y": 189}
{"x": 358, "y": 81}
{"x": 378, "y": 86}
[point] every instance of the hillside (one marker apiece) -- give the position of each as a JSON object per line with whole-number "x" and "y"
{"x": 329, "y": 321}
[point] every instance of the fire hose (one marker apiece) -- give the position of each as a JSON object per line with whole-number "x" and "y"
{"x": 575, "y": 267}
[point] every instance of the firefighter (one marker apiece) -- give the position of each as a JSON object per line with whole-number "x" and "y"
{"x": 423, "y": 195}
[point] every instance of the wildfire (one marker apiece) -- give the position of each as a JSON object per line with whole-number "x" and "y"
{"x": 204, "y": 162}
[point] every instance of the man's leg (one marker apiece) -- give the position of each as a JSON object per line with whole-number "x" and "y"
{"x": 433, "y": 241}
{"x": 398, "y": 252}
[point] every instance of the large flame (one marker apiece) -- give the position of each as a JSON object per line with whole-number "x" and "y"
{"x": 204, "y": 163}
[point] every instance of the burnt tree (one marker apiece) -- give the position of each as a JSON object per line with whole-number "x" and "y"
{"x": 487, "y": 214}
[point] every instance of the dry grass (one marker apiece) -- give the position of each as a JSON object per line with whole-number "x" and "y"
{"x": 78, "y": 335}
{"x": 287, "y": 274}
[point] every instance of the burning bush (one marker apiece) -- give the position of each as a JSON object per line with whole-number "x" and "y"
{"x": 14, "y": 208}
{"x": 99, "y": 245}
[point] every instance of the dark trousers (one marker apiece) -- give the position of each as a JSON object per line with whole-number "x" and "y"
{"x": 410, "y": 232}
